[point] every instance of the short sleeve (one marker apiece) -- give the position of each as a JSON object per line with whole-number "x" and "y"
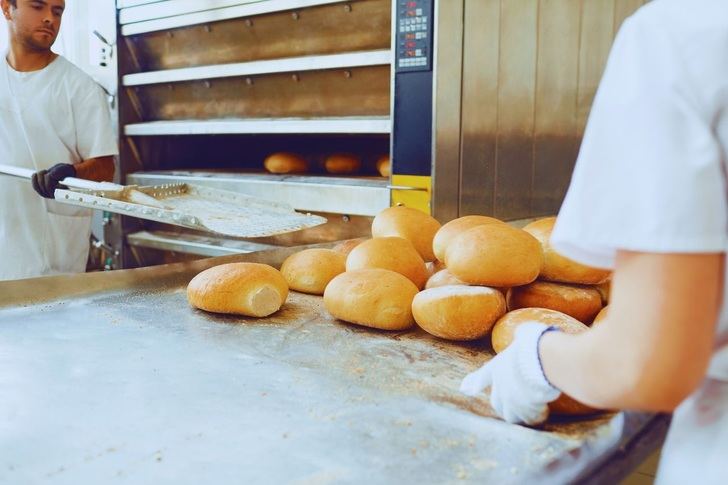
{"x": 649, "y": 176}
{"x": 94, "y": 133}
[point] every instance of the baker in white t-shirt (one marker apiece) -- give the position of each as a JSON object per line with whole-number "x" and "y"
{"x": 649, "y": 199}
{"x": 54, "y": 119}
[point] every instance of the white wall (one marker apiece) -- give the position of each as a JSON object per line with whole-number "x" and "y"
{"x": 76, "y": 41}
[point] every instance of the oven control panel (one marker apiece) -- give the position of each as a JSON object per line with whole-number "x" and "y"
{"x": 414, "y": 35}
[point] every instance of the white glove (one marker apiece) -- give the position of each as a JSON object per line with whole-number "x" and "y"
{"x": 519, "y": 392}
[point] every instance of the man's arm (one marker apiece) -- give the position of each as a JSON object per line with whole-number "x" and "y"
{"x": 654, "y": 347}
{"x": 99, "y": 169}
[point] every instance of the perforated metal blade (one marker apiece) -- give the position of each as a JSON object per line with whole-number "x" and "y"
{"x": 196, "y": 207}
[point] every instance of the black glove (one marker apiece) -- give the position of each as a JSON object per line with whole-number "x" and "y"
{"x": 45, "y": 182}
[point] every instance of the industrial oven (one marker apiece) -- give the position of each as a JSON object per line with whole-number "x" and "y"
{"x": 481, "y": 104}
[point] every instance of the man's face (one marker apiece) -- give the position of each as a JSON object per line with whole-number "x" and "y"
{"x": 34, "y": 23}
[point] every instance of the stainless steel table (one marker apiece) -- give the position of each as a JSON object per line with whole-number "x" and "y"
{"x": 113, "y": 378}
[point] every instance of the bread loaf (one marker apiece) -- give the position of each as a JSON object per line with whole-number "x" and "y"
{"x": 345, "y": 247}
{"x": 560, "y": 268}
{"x": 443, "y": 278}
{"x": 504, "y": 332}
{"x": 310, "y": 270}
{"x": 604, "y": 290}
{"x": 600, "y": 317}
{"x": 342, "y": 163}
{"x": 458, "y": 312}
{"x": 392, "y": 253}
{"x": 285, "y": 162}
{"x": 384, "y": 166}
{"x": 376, "y": 298}
{"x": 580, "y": 302}
{"x": 505, "y": 327}
{"x": 454, "y": 228}
{"x": 251, "y": 289}
{"x": 413, "y": 225}
{"x": 494, "y": 255}
{"x": 434, "y": 267}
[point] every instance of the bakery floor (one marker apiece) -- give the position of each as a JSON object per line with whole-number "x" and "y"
{"x": 646, "y": 472}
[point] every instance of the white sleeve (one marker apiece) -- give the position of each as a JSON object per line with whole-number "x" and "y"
{"x": 649, "y": 176}
{"x": 94, "y": 133}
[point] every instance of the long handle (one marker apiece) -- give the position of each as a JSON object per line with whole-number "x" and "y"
{"x": 71, "y": 182}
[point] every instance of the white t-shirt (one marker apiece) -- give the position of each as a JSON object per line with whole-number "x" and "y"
{"x": 650, "y": 176}
{"x": 54, "y": 115}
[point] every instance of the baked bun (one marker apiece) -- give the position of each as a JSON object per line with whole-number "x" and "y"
{"x": 605, "y": 290}
{"x": 392, "y": 253}
{"x": 600, "y": 316}
{"x": 342, "y": 163}
{"x": 285, "y": 162}
{"x": 580, "y": 302}
{"x": 384, "y": 166}
{"x": 494, "y": 255}
{"x": 505, "y": 327}
{"x": 434, "y": 267}
{"x": 345, "y": 247}
{"x": 458, "y": 312}
{"x": 413, "y": 225}
{"x": 251, "y": 289}
{"x": 376, "y": 298}
{"x": 453, "y": 229}
{"x": 443, "y": 278}
{"x": 310, "y": 270}
{"x": 560, "y": 268}
{"x": 504, "y": 332}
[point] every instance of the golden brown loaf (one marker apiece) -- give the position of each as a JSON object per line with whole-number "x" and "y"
{"x": 458, "y": 312}
{"x": 580, "y": 302}
{"x": 600, "y": 316}
{"x": 342, "y": 163}
{"x": 310, "y": 270}
{"x": 434, "y": 267}
{"x": 384, "y": 167}
{"x": 413, "y": 225}
{"x": 346, "y": 246}
{"x": 252, "y": 289}
{"x": 285, "y": 162}
{"x": 454, "y": 228}
{"x": 494, "y": 255}
{"x": 560, "y": 268}
{"x": 376, "y": 298}
{"x": 504, "y": 332}
{"x": 443, "y": 278}
{"x": 505, "y": 327}
{"x": 604, "y": 290}
{"x": 392, "y": 253}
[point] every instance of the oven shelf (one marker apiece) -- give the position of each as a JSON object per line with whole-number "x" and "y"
{"x": 259, "y": 126}
{"x": 194, "y": 244}
{"x": 362, "y": 196}
{"x": 296, "y": 64}
{"x": 138, "y": 17}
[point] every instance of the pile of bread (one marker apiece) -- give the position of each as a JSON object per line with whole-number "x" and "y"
{"x": 335, "y": 163}
{"x": 471, "y": 278}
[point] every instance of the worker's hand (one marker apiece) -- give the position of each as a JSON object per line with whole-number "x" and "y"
{"x": 45, "y": 182}
{"x": 519, "y": 390}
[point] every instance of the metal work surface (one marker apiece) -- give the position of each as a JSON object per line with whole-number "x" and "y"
{"x": 113, "y": 378}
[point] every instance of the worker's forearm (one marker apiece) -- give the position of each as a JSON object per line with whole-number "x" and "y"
{"x": 585, "y": 370}
{"x": 610, "y": 370}
{"x": 97, "y": 169}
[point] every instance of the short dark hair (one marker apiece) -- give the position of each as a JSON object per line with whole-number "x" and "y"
{"x": 13, "y": 3}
